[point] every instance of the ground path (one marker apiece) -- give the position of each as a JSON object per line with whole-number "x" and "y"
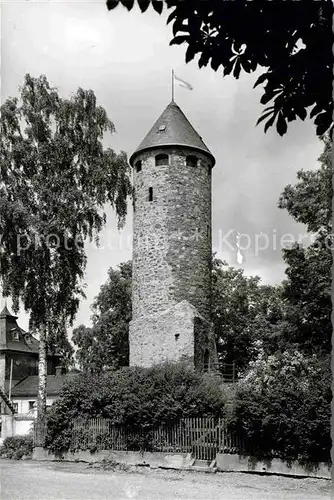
{"x": 60, "y": 480}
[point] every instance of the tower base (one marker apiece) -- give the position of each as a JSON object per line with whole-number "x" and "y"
{"x": 177, "y": 334}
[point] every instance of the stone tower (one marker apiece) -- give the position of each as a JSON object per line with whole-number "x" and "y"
{"x": 171, "y": 295}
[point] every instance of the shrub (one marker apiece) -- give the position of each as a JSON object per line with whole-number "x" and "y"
{"x": 16, "y": 447}
{"x": 138, "y": 397}
{"x": 283, "y": 408}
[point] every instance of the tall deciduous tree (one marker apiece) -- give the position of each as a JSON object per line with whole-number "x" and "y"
{"x": 246, "y": 315}
{"x": 307, "y": 289}
{"x": 55, "y": 177}
{"x": 106, "y": 344}
{"x": 292, "y": 41}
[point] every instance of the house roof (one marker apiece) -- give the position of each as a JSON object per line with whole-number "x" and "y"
{"x": 22, "y": 345}
{"x": 29, "y": 385}
{"x": 172, "y": 128}
{"x": 14, "y": 338}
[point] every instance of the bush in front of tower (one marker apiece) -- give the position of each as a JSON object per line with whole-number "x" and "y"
{"x": 139, "y": 398}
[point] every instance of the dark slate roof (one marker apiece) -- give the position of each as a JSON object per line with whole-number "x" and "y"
{"x": 22, "y": 345}
{"x": 29, "y": 385}
{"x": 25, "y": 342}
{"x": 178, "y": 131}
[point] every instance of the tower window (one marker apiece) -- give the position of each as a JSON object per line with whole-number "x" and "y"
{"x": 206, "y": 360}
{"x": 138, "y": 166}
{"x": 161, "y": 159}
{"x": 150, "y": 194}
{"x": 191, "y": 161}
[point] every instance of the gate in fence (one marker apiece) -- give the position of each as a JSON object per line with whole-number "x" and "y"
{"x": 202, "y": 437}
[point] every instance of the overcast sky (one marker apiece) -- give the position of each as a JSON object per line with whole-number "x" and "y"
{"x": 126, "y": 59}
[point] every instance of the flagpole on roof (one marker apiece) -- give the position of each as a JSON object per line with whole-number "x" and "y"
{"x": 172, "y": 85}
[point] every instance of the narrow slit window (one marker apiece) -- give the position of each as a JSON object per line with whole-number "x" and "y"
{"x": 206, "y": 360}
{"x": 150, "y": 194}
{"x": 134, "y": 200}
{"x": 161, "y": 159}
{"x": 192, "y": 161}
{"x": 138, "y": 166}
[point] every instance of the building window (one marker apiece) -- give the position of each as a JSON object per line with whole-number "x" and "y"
{"x": 138, "y": 166}
{"x": 161, "y": 159}
{"x": 150, "y": 194}
{"x": 28, "y": 338}
{"x": 16, "y": 407}
{"x": 15, "y": 333}
{"x": 208, "y": 231}
{"x": 31, "y": 405}
{"x": 134, "y": 200}
{"x": 206, "y": 364}
{"x": 162, "y": 128}
{"x": 191, "y": 161}
{"x": 177, "y": 336}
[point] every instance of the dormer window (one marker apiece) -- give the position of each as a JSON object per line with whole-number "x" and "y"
{"x": 162, "y": 128}
{"x": 16, "y": 335}
{"x": 161, "y": 159}
{"x": 191, "y": 161}
{"x": 28, "y": 338}
{"x": 138, "y": 166}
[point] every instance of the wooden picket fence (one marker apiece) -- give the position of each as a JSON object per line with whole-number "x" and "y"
{"x": 202, "y": 437}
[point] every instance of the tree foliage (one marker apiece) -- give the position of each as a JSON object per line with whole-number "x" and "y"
{"x": 310, "y": 200}
{"x": 245, "y": 314}
{"x": 291, "y": 41}
{"x": 307, "y": 289}
{"x": 105, "y": 345}
{"x": 55, "y": 177}
{"x": 283, "y": 407}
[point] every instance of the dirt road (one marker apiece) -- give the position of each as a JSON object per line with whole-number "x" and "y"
{"x": 58, "y": 480}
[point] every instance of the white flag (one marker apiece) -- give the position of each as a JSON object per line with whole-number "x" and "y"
{"x": 182, "y": 83}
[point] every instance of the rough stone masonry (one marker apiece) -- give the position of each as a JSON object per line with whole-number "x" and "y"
{"x": 171, "y": 295}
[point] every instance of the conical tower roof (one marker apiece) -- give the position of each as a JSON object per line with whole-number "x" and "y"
{"x": 172, "y": 128}
{"x": 6, "y": 314}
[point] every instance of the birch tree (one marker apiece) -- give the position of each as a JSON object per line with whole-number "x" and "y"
{"x": 55, "y": 178}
